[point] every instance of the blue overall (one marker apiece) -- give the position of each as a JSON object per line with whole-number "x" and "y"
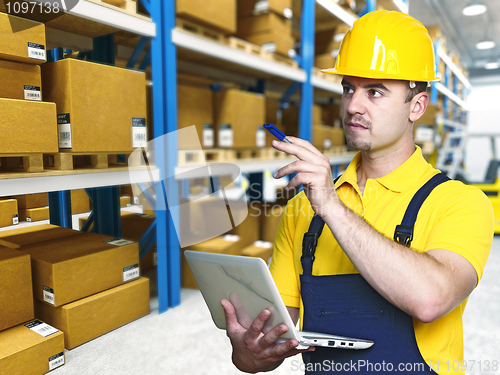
{"x": 347, "y": 305}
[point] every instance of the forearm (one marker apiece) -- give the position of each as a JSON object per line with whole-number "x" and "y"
{"x": 414, "y": 282}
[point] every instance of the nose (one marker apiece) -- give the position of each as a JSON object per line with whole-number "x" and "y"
{"x": 354, "y": 104}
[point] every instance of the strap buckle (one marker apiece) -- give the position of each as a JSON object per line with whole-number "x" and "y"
{"x": 403, "y": 234}
{"x": 309, "y": 243}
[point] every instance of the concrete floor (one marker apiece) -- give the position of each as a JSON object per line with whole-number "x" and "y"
{"x": 185, "y": 341}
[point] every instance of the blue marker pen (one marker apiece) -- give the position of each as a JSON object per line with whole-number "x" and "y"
{"x": 276, "y": 132}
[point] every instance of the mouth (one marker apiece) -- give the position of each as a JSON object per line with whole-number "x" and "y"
{"x": 356, "y": 126}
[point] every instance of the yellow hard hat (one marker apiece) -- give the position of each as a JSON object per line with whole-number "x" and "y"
{"x": 387, "y": 44}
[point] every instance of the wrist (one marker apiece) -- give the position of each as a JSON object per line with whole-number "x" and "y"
{"x": 333, "y": 209}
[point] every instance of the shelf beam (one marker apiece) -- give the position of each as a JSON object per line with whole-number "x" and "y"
{"x": 337, "y": 11}
{"x": 207, "y": 47}
{"x": 454, "y": 68}
{"x": 326, "y": 85}
{"x": 448, "y": 93}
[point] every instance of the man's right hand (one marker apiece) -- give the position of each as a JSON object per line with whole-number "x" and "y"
{"x": 254, "y": 351}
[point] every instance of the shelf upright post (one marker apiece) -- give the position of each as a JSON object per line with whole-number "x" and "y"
{"x": 59, "y": 201}
{"x": 164, "y": 66}
{"x": 307, "y": 29}
{"x": 434, "y": 91}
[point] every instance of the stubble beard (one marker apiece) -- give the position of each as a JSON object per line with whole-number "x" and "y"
{"x": 352, "y": 142}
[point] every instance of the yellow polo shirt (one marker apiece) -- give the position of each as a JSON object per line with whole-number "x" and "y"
{"x": 454, "y": 217}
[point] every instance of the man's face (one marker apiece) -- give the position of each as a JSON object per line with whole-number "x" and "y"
{"x": 374, "y": 113}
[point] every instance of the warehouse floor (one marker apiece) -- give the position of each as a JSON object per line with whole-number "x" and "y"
{"x": 185, "y": 341}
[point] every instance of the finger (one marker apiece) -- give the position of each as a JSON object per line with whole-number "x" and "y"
{"x": 274, "y": 334}
{"x": 230, "y": 314}
{"x": 255, "y": 329}
{"x": 241, "y": 315}
{"x": 306, "y": 144}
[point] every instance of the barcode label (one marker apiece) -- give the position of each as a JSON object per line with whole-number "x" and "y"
{"x": 260, "y": 137}
{"x": 64, "y": 130}
{"x": 41, "y": 328}
{"x": 36, "y": 51}
{"x": 139, "y": 132}
{"x": 119, "y": 242}
{"x": 269, "y": 47}
{"x": 15, "y": 219}
{"x": 225, "y": 136}
{"x": 48, "y": 295}
{"x": 56, "y": 361}
{"x": 32, "y": 93}
{"x": 130, "y": 272}
{"x": 208, "y": 135}
{"x": 28, "y": 219}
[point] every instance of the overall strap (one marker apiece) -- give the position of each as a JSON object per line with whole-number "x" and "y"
{"x": 310, "y": 241}
{"x": 404, "y": 232}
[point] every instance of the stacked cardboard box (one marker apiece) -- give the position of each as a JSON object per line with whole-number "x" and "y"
{"x": 327, "y": 46}
{"x": 8, "y": 212}
{"x": 271, "y": 29}
{"x": 80, "y": 202}
{"x": 100, "y": 108}
{"x": 219, "y": 15}
{"x": 26, "y": 346}
{"x": 74, "y": 273}
{"x": 28, "y": 125}
{"x": 33, "y": 207}
{"x": 238, "y": 117}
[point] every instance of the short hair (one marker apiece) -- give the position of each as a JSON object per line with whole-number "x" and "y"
{"x": 411, "y": 92}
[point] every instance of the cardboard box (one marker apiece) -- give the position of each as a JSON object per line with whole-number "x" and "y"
{"x": 337, "y": 136}
{"x": 19, "y": 237}
{"x": 34, "y": 214}
{"x": 322, "y": 137}
{"x": 217, "y": 14}
{"x": 27, "y": 127}
{"x": 332, "y": 115}
{"x": 324, "y": 61}
{"x": 20, "y": 81}
{"x": 244, "y": 112}
{"x": 125, "y": 201}
{"x": 248, "y": 230}
{"x": 195, "y": 107}
{"x": 80, "y": 201}
{"x": 272, "y": 41}
{"x": 91, "y": 317}
{"x": 102, "y": 107}
{"x": 8, "y": 213}
{"x": 16, "y": 293}
{"x": 23, "y": 40}
{"x": 247, "y": 7}
{"x": 134, "y": 226}
{"x": 267, "y": 22}
{"x": 291, "y": 118}
{"x": 25, "y": 351}
{"x": 32, "y": 200}
{"x": 259, "y": 249}
{"x": 71, "y": 268}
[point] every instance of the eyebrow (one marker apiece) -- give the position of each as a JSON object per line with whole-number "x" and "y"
{"x": 368, "y": 86}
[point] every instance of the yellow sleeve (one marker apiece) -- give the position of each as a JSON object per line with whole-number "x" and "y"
{"x": 465, "y": 226}
{"x": 282, "y": 263}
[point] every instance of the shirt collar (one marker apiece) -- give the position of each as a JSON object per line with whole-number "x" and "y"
{"x": 400, "y": 178}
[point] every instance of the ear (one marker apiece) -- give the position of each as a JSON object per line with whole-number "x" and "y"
{"x": 418, "y": 105}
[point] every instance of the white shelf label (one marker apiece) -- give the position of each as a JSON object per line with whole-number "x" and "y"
{"x": 119, "y": 242}
{"x": 36, "y": 51}
{"x": 327, "y": 143}
{"x": 41, "y": 328}
{"x": 269, "y": 47}
{"x": 260, "y": 137}
{"x": 32, "y": 93}
{"x": 139, "y": 132}
{"x": 130, "y": 273}
{"x": 64, "y": 130}
{"x": 48, "y": 295}
{"x": 225, "y": 136}
{"x": 56, "y": 361}
{"x": 15, "y": 219}
{"x": 208, "y": 135}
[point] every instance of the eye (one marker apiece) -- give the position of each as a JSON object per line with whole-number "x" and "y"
{"x": 374, "y": 93}
{"x": 347, "y": 90}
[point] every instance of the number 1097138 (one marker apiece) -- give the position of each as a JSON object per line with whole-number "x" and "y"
{"x": 35, "y": 7}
